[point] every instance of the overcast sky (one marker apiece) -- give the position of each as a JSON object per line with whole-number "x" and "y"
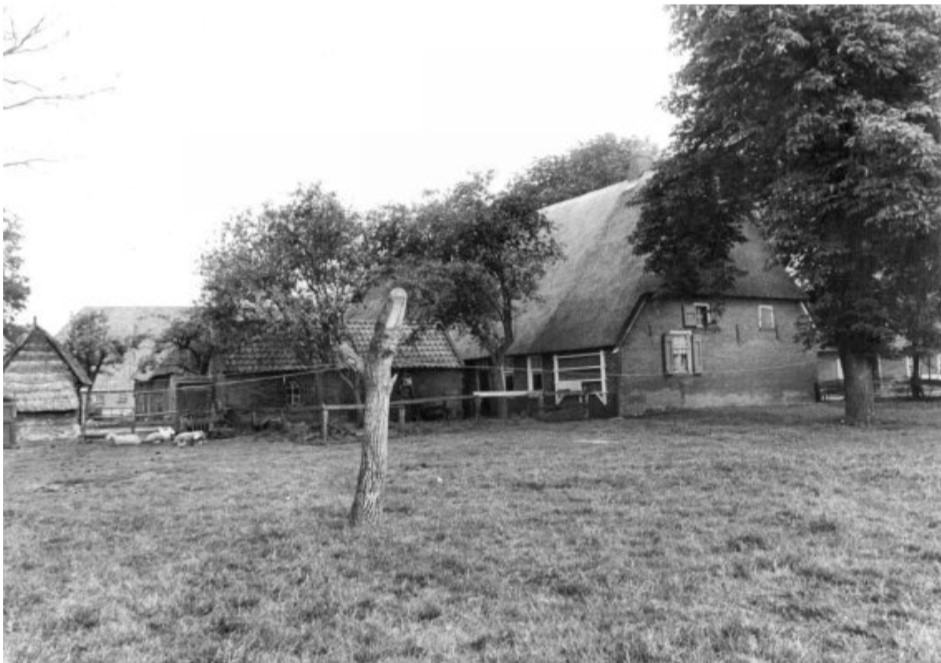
{"x": 219, "y": 106}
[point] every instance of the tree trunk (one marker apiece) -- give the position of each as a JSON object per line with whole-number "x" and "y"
{"x": 918, "y": 391}
{"x": 859, "y": 399}
{"x": 367, "y": 503}
{"x": 319, "y": 387}
{"x": 499, "y": 384}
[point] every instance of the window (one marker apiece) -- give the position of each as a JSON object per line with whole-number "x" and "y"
{"x": 682, "y": 353}
{"x": 98, "y": 399}
{"x": 697, "y": 316}
{"x": 765, "y": 317}
{"x": 534, "y": 373}
{"x": 508, "y": 381}
{"x": 585, "y": 372}
{"x": 293, "y": 393}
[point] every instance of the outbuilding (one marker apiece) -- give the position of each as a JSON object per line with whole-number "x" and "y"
{"x": 47, "y": 386}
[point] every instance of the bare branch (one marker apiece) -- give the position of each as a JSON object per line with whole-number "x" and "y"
{"x": 54, "y": 98}
{"x": 18, "y": 45}
{"x": 27, "y": 163}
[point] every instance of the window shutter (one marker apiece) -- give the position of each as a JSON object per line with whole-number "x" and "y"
{"x": 690, "y": 319}
{"x": 697, "y": 354}
{"x": 667, "y": 354}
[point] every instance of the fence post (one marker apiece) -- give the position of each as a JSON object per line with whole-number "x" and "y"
{"x": 324, "y": 423}
{"x": 401, "y": 409}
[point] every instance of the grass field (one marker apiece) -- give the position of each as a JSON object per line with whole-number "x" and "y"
{"x": 735, "y": 535}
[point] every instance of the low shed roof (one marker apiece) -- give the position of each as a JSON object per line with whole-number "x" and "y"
{"x": 429, "y": 348}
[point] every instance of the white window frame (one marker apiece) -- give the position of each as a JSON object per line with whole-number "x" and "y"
{"x": 768, "y": 307}
{"x": 532, "y": 370}
{"x": 694, "y": 348}
{"x": 562, "y": 385}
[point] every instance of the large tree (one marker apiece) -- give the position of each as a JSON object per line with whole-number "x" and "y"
{"x": 15, "y": 284}
{"x": 821, "y": 125}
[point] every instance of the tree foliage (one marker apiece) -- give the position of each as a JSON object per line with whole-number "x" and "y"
{"x": 15, "y": 284}
{"x": 478, "y": 254}
{"x": 188, "y": 343}
{"x": 291, "y": 271}
{"x": 593, "y": 164}
{"x": 821, "y": 125}
{"x": 88, "y": 338}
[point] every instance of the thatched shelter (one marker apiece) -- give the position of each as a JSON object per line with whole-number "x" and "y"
{"x": 46, "y": 384}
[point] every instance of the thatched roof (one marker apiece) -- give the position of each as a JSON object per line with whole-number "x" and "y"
{"x": 41, "y": 375}
{"x": 586, "y": 298}
{"x": 431, "y": 348}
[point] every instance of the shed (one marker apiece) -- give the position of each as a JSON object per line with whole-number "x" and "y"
{"x": 46, "y": 384}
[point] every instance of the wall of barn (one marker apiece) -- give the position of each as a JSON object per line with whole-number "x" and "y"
{"x": 431, "y": 383}
{"x": 244, "y": 394}
{"x": 39, "y": 380}
{"x": 33, "y": 428}
{"x": 742, "y": 363}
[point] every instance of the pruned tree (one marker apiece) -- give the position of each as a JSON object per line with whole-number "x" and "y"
{"x": 820, "y": 125}
{"x": 15, "y": 283}
{"x": 377, "y": 371}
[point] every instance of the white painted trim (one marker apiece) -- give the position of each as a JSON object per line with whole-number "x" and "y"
{"x": 770, "y": 307}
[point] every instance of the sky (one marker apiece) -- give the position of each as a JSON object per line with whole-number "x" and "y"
{"x": 208, "y": 108}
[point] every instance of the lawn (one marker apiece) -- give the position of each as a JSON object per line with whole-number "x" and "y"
{"x": 733, "y": 535}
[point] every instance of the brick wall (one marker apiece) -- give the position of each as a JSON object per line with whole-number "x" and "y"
{"x": 742, "y": 363}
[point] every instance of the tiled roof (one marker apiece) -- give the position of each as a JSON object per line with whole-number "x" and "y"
{"x": 430, "y": 348}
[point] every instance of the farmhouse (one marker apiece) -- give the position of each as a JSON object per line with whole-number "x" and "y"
{"x": 601, "y": 328}
{"x": 46, "y": 384}
{"x": 266, "y": 375}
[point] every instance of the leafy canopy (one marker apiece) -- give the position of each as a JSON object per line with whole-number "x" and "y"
{"x": 821, "y": 125}
{"x": 472, "y": 253}
{"x": 15, "y": 284}
{"x": 593, "y": 164}
{"x": 291, "y": 270}
{"x": 89, "y": 340}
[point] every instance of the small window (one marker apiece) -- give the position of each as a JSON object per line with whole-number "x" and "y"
{"x": 98, "y": 399}
{"x": 766, "y": 317}
{"x": 122, "y": 399}
{"x": 293, "y": 393}
{"x": 682, "y": 353}
{"x": 508, "y": 378}
{"x": 534, "y": 373}
{"x": 697, "y": 316}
